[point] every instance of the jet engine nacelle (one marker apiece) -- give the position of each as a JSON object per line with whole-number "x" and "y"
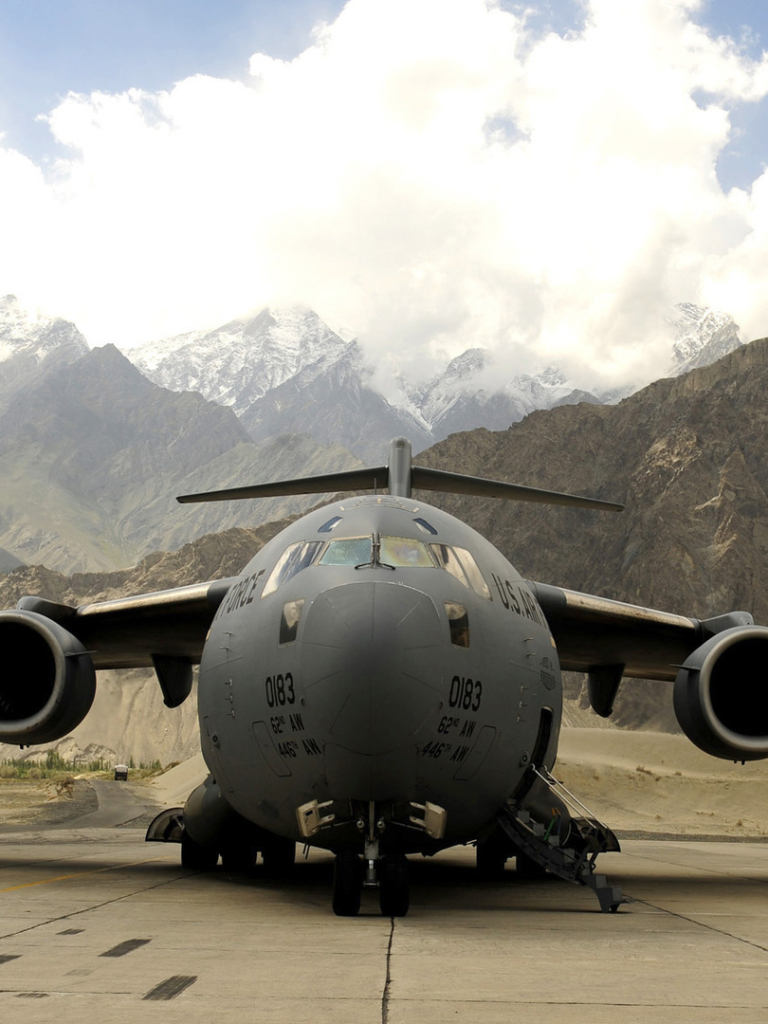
{"x": 721, "y": 694}
{"x": 47, "y": 679}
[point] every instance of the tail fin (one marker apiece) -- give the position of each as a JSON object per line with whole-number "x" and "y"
{"x": 400, "y": 476}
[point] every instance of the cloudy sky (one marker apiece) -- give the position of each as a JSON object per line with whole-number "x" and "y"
{"x": 542, "y": 179}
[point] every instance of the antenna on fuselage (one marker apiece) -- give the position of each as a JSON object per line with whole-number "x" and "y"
{"x": 402, "y": 476}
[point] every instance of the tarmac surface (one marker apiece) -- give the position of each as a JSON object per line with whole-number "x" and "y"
{"x": 98, "y": 926}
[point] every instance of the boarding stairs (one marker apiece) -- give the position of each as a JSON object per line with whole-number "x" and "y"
{"x": 571, "y": 857}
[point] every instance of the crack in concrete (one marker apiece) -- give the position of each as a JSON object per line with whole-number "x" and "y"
{"x": 385, "y": 993}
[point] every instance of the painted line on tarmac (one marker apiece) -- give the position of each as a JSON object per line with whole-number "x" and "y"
{"x": 80, "y": 874}
{"x": 699, "y": 924}
{"x": 97, "y": 906}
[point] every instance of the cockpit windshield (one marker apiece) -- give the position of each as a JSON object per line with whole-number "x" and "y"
{"x": 347, "y": 551}
{"x": 404, "y": 551}
{"x": 377, "y": 551}
{"x": 295, "y": 558}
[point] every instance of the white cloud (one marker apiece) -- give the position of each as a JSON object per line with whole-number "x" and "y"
{"x": 428, "y": 173}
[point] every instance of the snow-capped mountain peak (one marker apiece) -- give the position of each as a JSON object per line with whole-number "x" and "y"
{"x": 28, "y": 332}
{"x": 700, "y": 336}
{"x": 240, "y": 362}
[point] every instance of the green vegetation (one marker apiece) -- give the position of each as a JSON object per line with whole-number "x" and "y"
{"x": 56, "y": 767}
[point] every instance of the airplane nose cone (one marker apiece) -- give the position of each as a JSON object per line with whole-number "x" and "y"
{"x": 371, "y": 664}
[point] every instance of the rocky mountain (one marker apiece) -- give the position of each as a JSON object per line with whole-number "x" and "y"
{"x": 8, "y": 562}
{"x": 285, "y": 371}
{"x": 92, "y": 452}
{"x": 92, "y": 456}
{"x": 333, "y": 400}
{"x": 686, "y": 455}
{"x": 128, "y": 718}
{"x": 700, "y": 337}
{"x": 33, "y": 344}
{"x": 239, "y": 363}
{"x": 453, "y": 400}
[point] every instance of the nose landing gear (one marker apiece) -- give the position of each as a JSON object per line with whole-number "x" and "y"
{"x": 394, "y": 886}
{"x": 347, "y": 884}
{"x": 387, "y": 872}
{"x": 390, "y": 877}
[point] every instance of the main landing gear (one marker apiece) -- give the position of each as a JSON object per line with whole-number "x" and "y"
{"x": 278, "y": 855}
{"x": 388, "y": 874}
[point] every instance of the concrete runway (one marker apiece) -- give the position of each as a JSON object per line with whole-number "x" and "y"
{"x": 98, "y": 926}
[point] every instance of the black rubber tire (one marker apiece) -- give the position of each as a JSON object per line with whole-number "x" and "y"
{"x": 279, "y": 856}
{"x": 394, "y": 886}
{"x": 527, "y": 867}
{"x": 195, "y": 857}
{"x": 238, "y": 858}
{"x": 347, "y": 884}
{"x": 491, "y": 859}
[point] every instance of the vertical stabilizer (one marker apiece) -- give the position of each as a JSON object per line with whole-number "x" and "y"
{"x": 399, "y": 481}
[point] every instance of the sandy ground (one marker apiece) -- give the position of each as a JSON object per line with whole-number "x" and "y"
{"x": 28, "y": 802}
{"x": 639, "y": 783}
{"x": 655, "y": 783}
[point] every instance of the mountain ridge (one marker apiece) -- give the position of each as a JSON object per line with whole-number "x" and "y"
{"x": 686, "y": 455}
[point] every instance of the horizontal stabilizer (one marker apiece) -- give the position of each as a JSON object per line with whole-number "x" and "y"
{"x": 399, "y": 478}
{"x": 352, "y": 480}
{"x": 457, "y": 483}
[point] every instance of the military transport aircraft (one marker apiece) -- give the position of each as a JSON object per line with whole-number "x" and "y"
{"x": 380, "y": 681}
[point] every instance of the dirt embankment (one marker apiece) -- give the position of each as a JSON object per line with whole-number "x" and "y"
{"x": 38, "y": 802}
{"x": 656, "y": 783}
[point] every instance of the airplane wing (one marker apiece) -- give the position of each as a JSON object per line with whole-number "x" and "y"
{"x": 594, "y": 633}
{"x": 610, "y": 639}
{"x": 52, "y": 651}
{"x": 131, "y": 632}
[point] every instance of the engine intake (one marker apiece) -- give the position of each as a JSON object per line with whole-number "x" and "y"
{"x": 47, "y": 679}
{"x": 721, "y": 694}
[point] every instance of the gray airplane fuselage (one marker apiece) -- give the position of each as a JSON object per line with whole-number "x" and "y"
{"x": 377, "y": 653}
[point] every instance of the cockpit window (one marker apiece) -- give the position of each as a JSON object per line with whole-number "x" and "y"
{"x": 404, "y": 551}
{"x": 460, "y": 563}
{"x": 476, "y": 580}
{"x": 295, "y": 558}
{"x": 347, "y": 551}
{"x": 446, "y": 559}
{"x": 374, "y": 551}
{"x": 425, "y": 527}
{"x": 330, "y": 525}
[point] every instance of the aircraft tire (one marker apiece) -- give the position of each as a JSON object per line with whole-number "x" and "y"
{"x": 195, "y": 857}
{"x": 491, "y": 859}
{"x": 347, "y": 884}
{"x": 238, "y": 858}
{"x": 527, "y": 867}
{"x": 394, "y": 886}
{"x": 279, "y": 856}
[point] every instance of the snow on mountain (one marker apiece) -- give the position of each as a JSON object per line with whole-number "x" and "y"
{"x": 333, "y": 399}
{"x": 30, "y": 333}
{"x": 435, "y": 397}
{"x": 700, "y": 336}
{"x": 239, "y": 363}
{"x": 531, "y": 391}
{"x": 285, "y": 370}
{"x": 455, "y": 400}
